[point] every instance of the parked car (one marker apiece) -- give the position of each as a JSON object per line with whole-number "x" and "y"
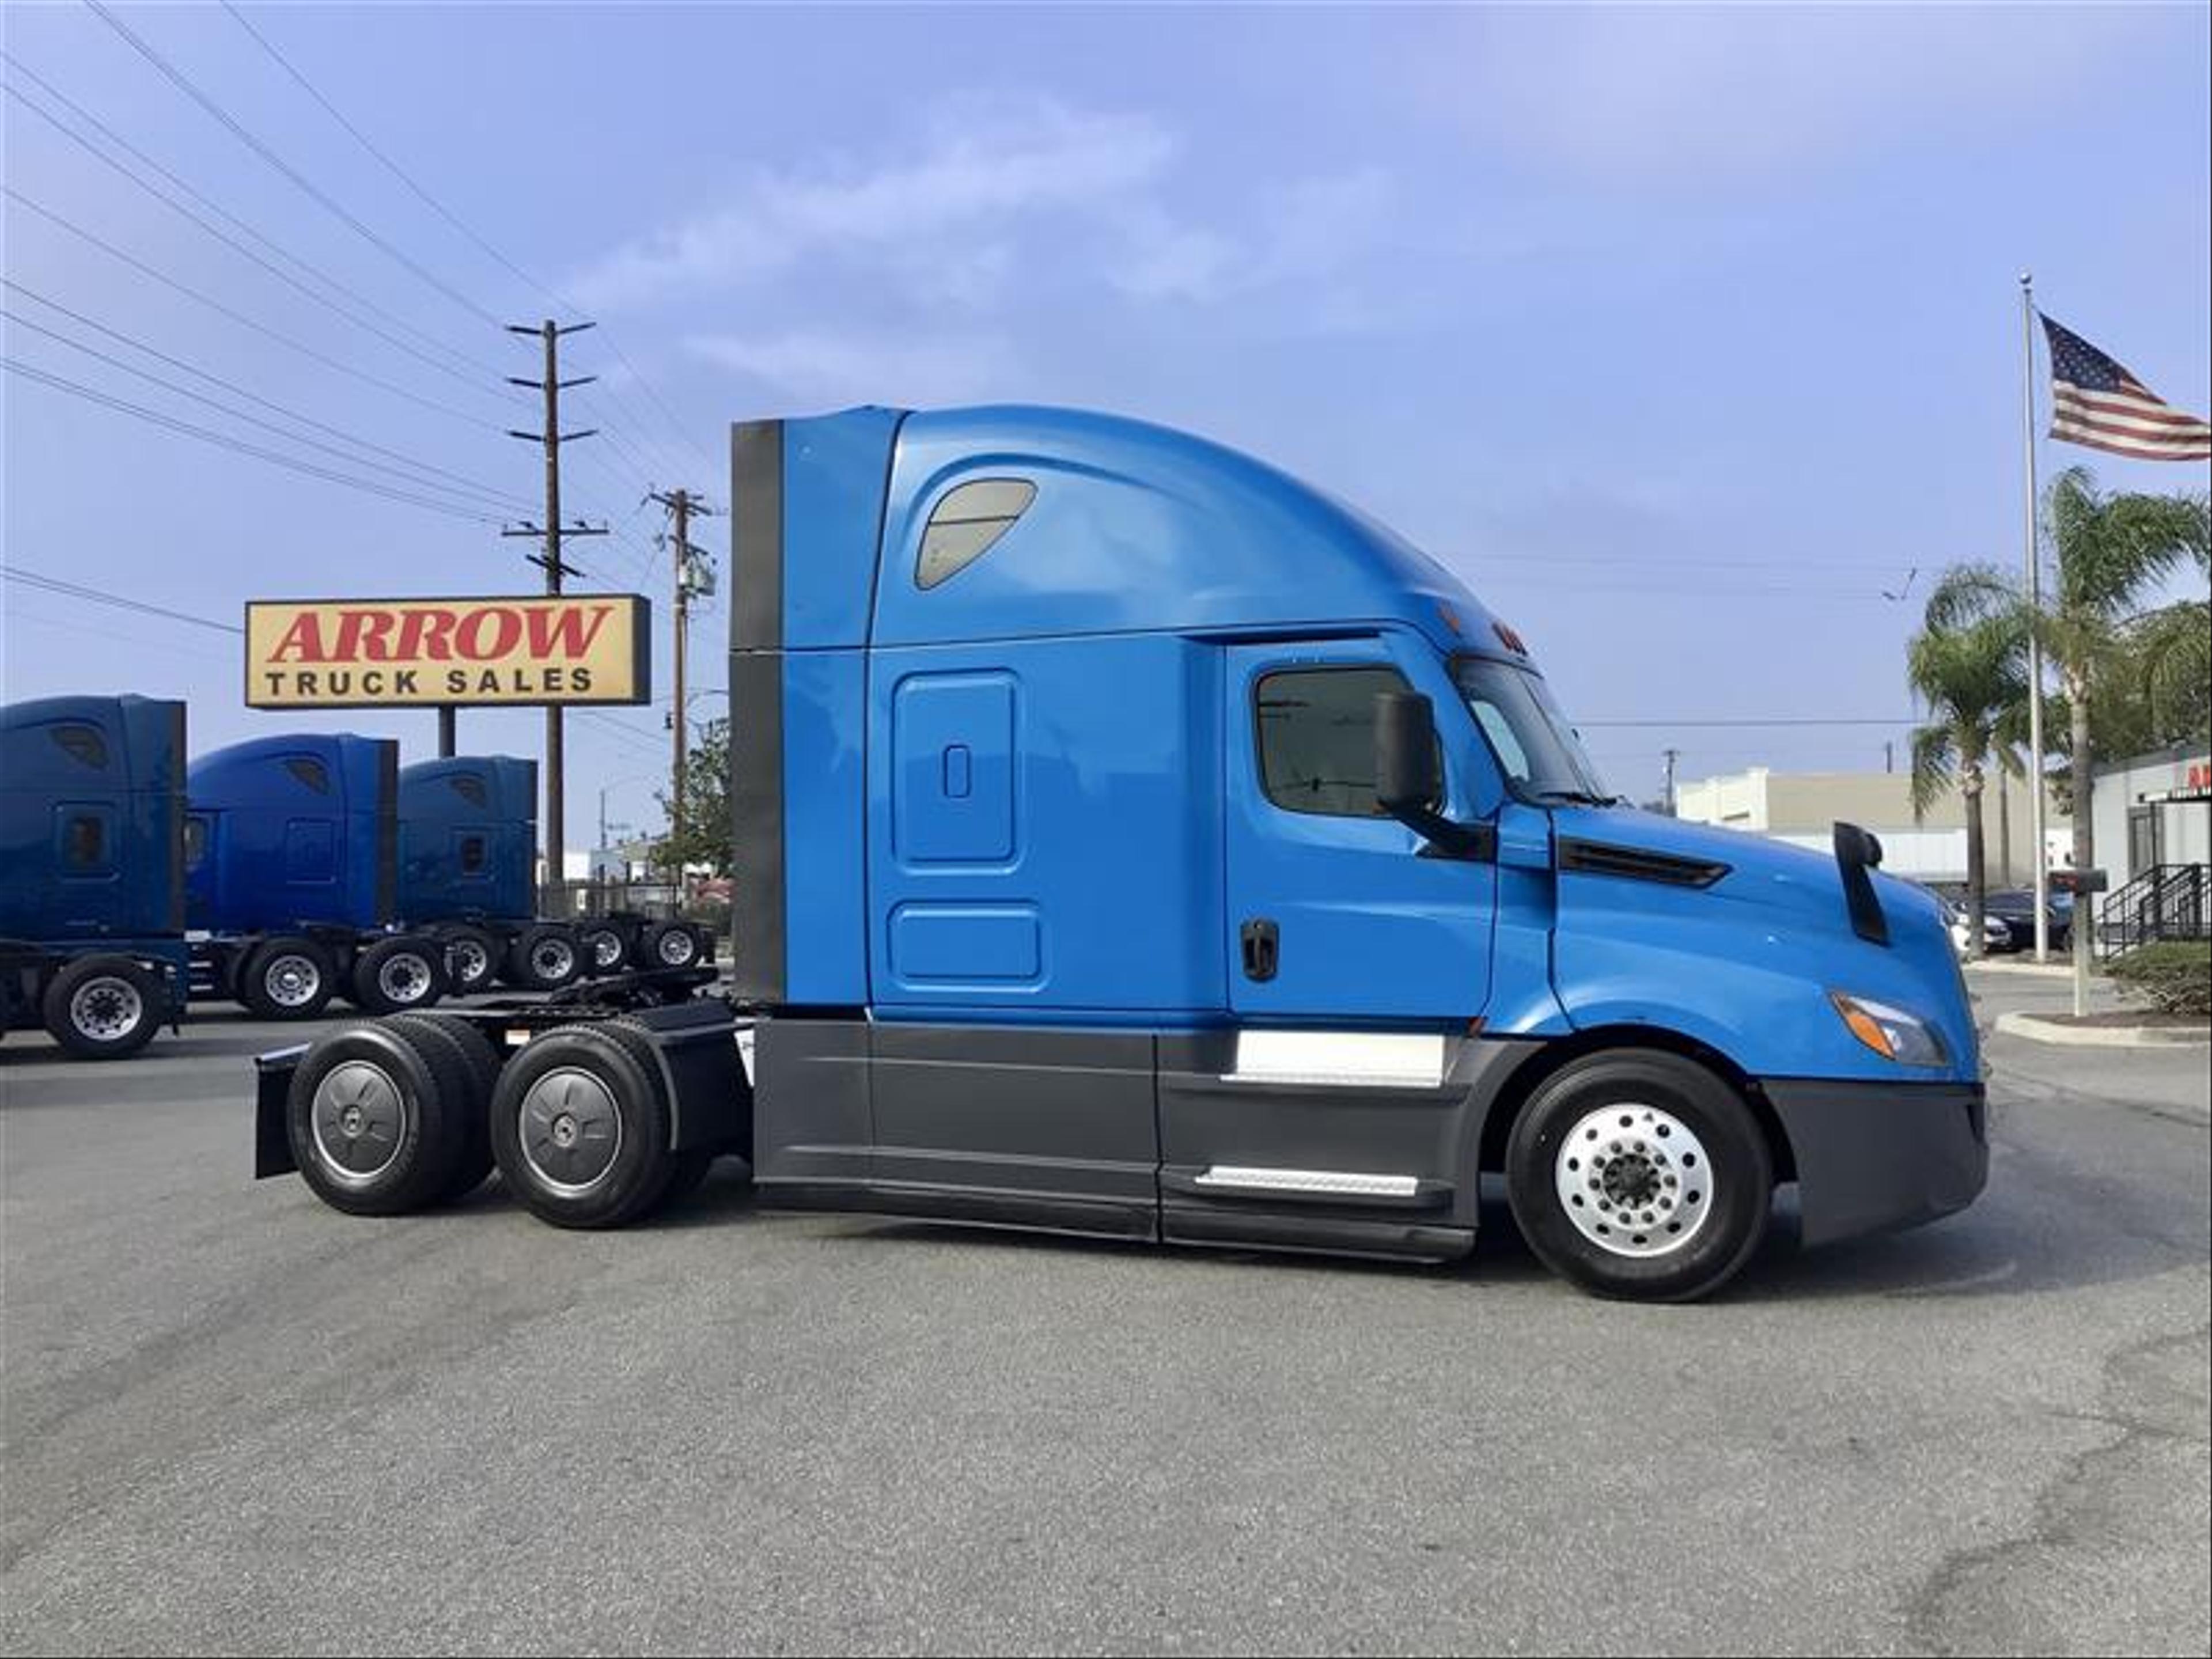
{"x": 1997, "y": 935}
{"x": 2016, "y": 909}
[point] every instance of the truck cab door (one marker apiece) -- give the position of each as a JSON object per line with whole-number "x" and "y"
{"x": 1336, "y": 914}
{"x": 1337, "y": 1109}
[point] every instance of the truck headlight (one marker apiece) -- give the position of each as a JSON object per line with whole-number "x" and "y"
{"x": 1891, "y": 1032}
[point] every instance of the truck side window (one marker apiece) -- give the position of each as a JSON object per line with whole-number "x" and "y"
{"x": 1317, "y": 731}
{"x": 473, "y": 855}
{"x": 311, "y": 772}
{"x": 84, "y": 844}
{"x": 196, "y": 841}
{"x": 965, "y": 523}
{"x": 82, "y": 744}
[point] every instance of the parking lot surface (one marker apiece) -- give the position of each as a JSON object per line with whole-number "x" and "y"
{"x": 235, "y": 1420}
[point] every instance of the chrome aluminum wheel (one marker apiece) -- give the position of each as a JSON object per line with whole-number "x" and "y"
{"x": 1635, "y": 1180}
{"x": 553, "y": 959}
{"x": 106, "y": 1008}
{"x": 404, "y": 978}
{"x": 470, "y": 961}
{"x": 292, "y": 981}
{"x": 678, "y": 948}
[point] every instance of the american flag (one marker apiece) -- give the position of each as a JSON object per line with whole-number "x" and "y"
{"x": 2093, "y": 401}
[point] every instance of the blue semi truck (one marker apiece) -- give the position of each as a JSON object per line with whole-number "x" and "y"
{"x": 1135, "y": 841}
{"x": 468, "y": 840}
{"x": 92, "y": 889}
{"x": 291, "y": 860}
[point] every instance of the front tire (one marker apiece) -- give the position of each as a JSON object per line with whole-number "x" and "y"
{"x": 102, "y": 1007}
{"x": 1640, "y": 1175}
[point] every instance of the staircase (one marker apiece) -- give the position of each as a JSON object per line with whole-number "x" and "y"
{"x": 2167, "y": 901}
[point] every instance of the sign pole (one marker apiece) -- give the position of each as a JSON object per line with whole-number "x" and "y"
{"x": 446, "y": 723}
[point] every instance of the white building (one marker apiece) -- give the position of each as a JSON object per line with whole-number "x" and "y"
{"x": 2152, "y": 810}
{"x": 1803, "y": 807}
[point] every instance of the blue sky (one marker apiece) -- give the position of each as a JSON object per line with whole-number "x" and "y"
{"x": 1683, "y": 334}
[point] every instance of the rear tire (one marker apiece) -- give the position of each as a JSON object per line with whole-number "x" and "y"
{"x": 603, "y": 949}
{"x": 668, "y": 945}
{"x": 376, "y": 1118}
{"x": 580, "y": 1129}
{"x": 103, "y": 1008}
{"x": 1640, "y": 1175}
{"x": 472, "y": 960}
{"x": 289, "y": 977}
{"x": 464, "y": 1041}
{"x": 397, "y": 976}
{"x": 544, "y": 957}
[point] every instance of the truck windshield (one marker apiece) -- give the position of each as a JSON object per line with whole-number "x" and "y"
{"x": 1543, "y": 757}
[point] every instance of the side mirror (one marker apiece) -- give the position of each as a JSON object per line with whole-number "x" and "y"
{"x": 1408, "y": 784}
{"x": 1406, "y": 753}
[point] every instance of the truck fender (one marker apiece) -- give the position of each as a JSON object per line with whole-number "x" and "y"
{"x": 710, "y": 1096}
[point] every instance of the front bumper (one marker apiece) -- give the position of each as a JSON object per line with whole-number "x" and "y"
{"x": 1875, "y": 1157}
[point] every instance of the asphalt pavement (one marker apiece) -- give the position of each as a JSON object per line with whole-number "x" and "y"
{"x": 234, "y": 1420}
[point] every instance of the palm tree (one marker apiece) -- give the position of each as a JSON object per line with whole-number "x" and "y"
{"x": 2112, "y": 552}
{"x": 1971, "y": 678}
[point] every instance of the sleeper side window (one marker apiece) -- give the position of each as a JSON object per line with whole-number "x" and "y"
{"x": 473, "y": 855}
{"x": 1316, "y": 737}
{"x": 82, "y": 744}
{"x": 964, "y": 525}
{"x": 311, "y": 772}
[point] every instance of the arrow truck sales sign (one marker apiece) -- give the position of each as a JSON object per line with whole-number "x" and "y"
{"x": 398, "y": 653}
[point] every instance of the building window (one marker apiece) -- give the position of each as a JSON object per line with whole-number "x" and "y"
{"x": 83, "y": 743}
{"x": 310, "y": 772}
{"x": 966, "y": 522}
{"x": 1317, "y": 732}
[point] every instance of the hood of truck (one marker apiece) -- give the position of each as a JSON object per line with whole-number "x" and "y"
{"x": 1739, "y": 939}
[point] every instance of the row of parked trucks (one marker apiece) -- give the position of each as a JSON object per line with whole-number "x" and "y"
{"x": 279, "y": 874}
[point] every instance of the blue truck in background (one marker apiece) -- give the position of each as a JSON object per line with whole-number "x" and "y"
{"x": 1135, "y": 841}
{"x": 468, "y": 840}
{"x": 292, "y": 861}
{"x": 92, "y": 885}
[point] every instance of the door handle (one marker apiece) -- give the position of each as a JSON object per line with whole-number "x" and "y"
{"x": 1262, "y": 945}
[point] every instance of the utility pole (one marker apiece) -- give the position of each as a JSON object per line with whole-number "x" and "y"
{"x": 1672, "y": 755}
{"x": 681, "y": 505}
{"x": 551, "y": 530}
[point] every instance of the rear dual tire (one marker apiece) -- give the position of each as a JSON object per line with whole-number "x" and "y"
{"x": 545, "y": 956}
{"x": 289, "y": 977}
{"x": 398, "y": 976}
{"x": 580, "y": 1127}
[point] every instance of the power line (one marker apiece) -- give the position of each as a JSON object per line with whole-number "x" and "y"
{"x": 75, "y": 591}
{"x": 224, "y": 441}
{"x": 465, "y": 492}
{"x": 469, "y": 231}
{"x": 460, "y": 485}
{"x": 184, "y": 84}
{"x": 1763, "y": 721}
{"x": 240, "y": 317}
{"x": 319, "y": 275}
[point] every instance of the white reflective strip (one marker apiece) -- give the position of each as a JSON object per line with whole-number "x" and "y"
{"x": 1357, "y": 1058}
{"x": 517, "y": 1035}
{"x": 1346, "y": 1182}
{"x": 745, "y": 1051}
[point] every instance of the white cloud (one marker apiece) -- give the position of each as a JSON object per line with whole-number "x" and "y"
{"x": 983, "y": 163}
{"x": 819, "y": 367}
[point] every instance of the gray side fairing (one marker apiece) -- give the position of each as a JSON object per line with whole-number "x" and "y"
{"x": 1109, "y": 1132}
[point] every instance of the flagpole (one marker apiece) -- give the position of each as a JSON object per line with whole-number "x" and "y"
{"x": 2033, "y": 557}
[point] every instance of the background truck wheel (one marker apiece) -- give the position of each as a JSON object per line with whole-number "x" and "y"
{"x": 580, "y": 1129}
{"x": 669, "y": 945}
{"x": 287, "y": 978}
{"x": 396, "y": 975}
{"x": 544, "y": 958}
{"x": 103, "y": 1008}
{"x": 603, "y": 948}
{"x": 466, "y": 1046}
{"x": 376, "y": 1119}
{"x": 471, "y": 959}
{"x": 1641, "y": 1174}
